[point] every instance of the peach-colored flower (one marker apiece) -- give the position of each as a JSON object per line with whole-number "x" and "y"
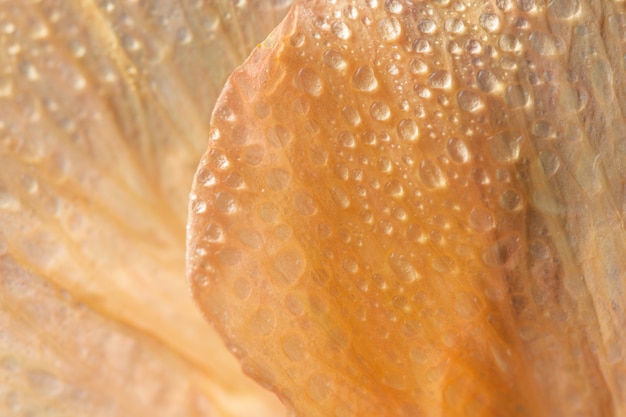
{"x": 416, "y": 209}
{"x": 406, "y": 208}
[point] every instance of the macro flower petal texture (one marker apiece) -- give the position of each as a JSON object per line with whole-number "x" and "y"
{"x": 403, "y": 209}
{"x": 416, "y": 209}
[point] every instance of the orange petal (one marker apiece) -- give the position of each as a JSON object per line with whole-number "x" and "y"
{"x": 413, "y": 209}
{"x": 104, "y": 111}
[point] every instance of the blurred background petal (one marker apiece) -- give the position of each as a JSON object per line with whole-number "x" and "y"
{"x": 104, "y": 111}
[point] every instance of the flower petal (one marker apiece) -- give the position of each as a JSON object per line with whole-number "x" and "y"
{"x": 404, "y": 210}
{"x": 104, "y": 109}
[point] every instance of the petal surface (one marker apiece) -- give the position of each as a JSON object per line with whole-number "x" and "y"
{"x": 415, "y": 208}
{"x": 104, "y": 110}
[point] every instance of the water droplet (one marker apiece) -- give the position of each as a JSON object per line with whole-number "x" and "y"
{"x": 351, "y": 12}
{"x": 501, "y": 252}
{"x": 342, "y": 172}
{"x": 393, "y": 188}
{"x": 28, "y": 70}
{"x": 346, "y": 139}
{"x": 393, "y": 6}
{"x": 351, "y": 115}
{"x": 422, "y": 46}
{"x": 431, "y": 175}
{"x": 399, "y": 213}
{"x": 334, "y": 59}
{"x": 443, "y": 264}
{"x": 262, "y": 323}
{"x": 293, "y": 346}
{"x": 30, "y": 184}
{"x": 277, "y": 179}
{"x": 305, "y": 204}
{"x": 563, "y": 9}
{"x": 294, "y": 304}
{"x": 490, "y": 22}
{"x": 183, "y": 36}
{"x": 509, "y": 43}
{"x": 380, "y": 111}
{"x": 505, "y": 146}
{"x": 279, "y": 136}
{"x": 13, "y": 402}
{"x": 510, "y": 200}
{"x": 242, "y": 288}
{"x": 417, "y": 66}
{"x": 341, "y": 30}
{"x": 457, "y": 149}
{"x": 319, "y": 387}
{"x": 466, "y": 304}
{"x": 218, "y": 160}
{"x": 318, "y": 305}
{"x": 340, "y": 197}
{"x": 389, "y": 29}
{"x": 427, "y": 26}
{"x": 454, "y": 25}
{"x": 395, "y": 380}
{"x": 526, "y": 5}
{"x": 408, "y": 130}
{"x": 199, "y": 207}
{"x": 350, "y": 265}
{"x": 225, "y": 203}
{"x": 539, "y": 250}
{"x": 402, "y": 268}
{"x": 392, "y": 69}
{"x": 235, "y": 181}
{"x": 545, "y": 44}
{"x": 481, "y": 220}
{"x": 588, "y": 175}
{"x": 440, "y": 79}
{"x": 384, "y": 165}
{"x": 516, "y": 96}
{"x": 573, "y": 132}
{"x": 214, "y": 233}
{"x": 7, "y": 27}
{"x": 486, "y": 81}
{"x": 367, "y": 216}
{"x": 368, "y": 138}
{"x": 210, "y": 23}
{"x": 364, "y": 79}
{"x": 319, "y": 155}
{"x": 504, "y": 5}
{"x": 8, "y": 201}
{"x": 254, "y": 155}
{"x": 250, "y": 238}
{"x": 44, "y": 383}
{"x": 469, "y": 101}
{"x": 39, "y": 30}
{"x": 542, "y": 129}
{"x": 6, "y": 86}
{"x": 297, "y": 40}
{"x": 309, "y": 82}
{"x": 229, "y": 256}
{"x": 601, "y": 75}
{"x": 289, "y": 266}
{"x": 240, "y": 135}
{"x": 130, "y": 43}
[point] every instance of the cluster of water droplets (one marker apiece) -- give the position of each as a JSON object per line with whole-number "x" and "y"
{"x": 429, "y": 123}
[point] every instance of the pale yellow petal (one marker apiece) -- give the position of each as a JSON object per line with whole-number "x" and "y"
{"x": 104, "y": 110}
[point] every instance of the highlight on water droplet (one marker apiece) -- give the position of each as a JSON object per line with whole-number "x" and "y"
{"x": 364, "y": 79}
{"x": 309, "y": 81}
